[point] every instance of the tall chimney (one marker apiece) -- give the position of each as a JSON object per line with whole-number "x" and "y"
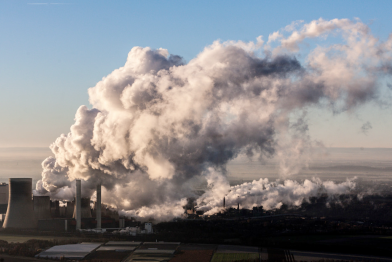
{"x": 98, "y": 207}
{"x": 78, "y": 203}
{"x": 20, "y": 212}
{"x": 224, "y": 202}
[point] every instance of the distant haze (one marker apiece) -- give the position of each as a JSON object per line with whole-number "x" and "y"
{"x": 331, "y": 163}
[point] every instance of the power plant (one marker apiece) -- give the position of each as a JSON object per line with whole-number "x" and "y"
{"x": 25, "y": 211}
{"x": 20, "y": 211}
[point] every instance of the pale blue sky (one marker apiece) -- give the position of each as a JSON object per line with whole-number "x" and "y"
{"x": 50, "y": 54}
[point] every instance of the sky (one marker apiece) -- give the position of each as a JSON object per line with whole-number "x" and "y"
{"x": 51, "y": 52}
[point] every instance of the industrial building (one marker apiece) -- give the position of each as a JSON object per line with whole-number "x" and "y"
{"x": 21, "y": 210}
{"x": 3, "y": 198}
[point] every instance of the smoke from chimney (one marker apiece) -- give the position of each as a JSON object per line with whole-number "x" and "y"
{"x": 160, "y": 126}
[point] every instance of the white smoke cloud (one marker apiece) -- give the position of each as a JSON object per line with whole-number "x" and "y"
{"x": 270, "y": 195}
{"x": 159, "y": 127}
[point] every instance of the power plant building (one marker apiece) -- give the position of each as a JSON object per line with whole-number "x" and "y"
{"x": 85, "y": 208}
{"x": 27, "y": 212}
{"x": 42, "y": 207}
{"x": 70, "y": 209}
{"x": 20, "y": 211}
{"x": 3, "y": 198}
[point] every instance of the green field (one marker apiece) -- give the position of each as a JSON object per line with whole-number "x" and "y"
{"x": 231, "y": 257}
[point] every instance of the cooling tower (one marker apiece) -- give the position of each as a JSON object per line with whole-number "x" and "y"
{"x": 42, "y": 207}
{"x": 20, "y": 212}
{"x": 85, "y": 208}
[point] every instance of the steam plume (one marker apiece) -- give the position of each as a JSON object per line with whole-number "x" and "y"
{"x": 160, "y": 126}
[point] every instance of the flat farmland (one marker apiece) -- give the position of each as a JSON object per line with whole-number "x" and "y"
{"x": 22, "y": 239}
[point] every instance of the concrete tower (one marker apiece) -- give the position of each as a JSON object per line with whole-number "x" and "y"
{"x": 42, "y": 207}
{"x": 78, "y": 204}
{"x": 98, "y": 207}
{"x": 20, "y": 212}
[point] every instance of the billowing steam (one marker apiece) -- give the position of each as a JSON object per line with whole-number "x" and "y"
{"x": 160, "y": 126}
{"x": 268, "y": 194}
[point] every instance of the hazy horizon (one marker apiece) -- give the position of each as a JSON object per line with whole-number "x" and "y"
{"x": 333, "y": 164}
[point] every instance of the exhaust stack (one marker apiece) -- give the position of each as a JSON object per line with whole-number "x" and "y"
{"x": 98, "y": 207}
{"x": 20, "y": 212}
{"x": 78, "y": 204}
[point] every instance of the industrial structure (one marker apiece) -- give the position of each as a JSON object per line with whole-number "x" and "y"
{"x": 25, "y": 211}
{"x": 42, "y": 207}
{"x": 69, "y": 209}
{"x": 20, "y": 212}
{"x": 78, "y": 204}
{"x": 98, "y": 213}
{"x": 3, "y": 198}
{"x": 85, "y": 209}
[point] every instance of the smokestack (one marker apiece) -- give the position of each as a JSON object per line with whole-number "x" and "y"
{"x": 42, "y": 207}
{"x": 224, "y": 202}
{"x": 20, "y": 212}
{"x": 98, "y": 207}
{"x": 78, "y": 203}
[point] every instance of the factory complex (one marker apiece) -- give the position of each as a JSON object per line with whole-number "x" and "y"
{"x": 19, "y": 209}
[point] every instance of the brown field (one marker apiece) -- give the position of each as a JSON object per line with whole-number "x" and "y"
{"x": 22, "y": 239}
